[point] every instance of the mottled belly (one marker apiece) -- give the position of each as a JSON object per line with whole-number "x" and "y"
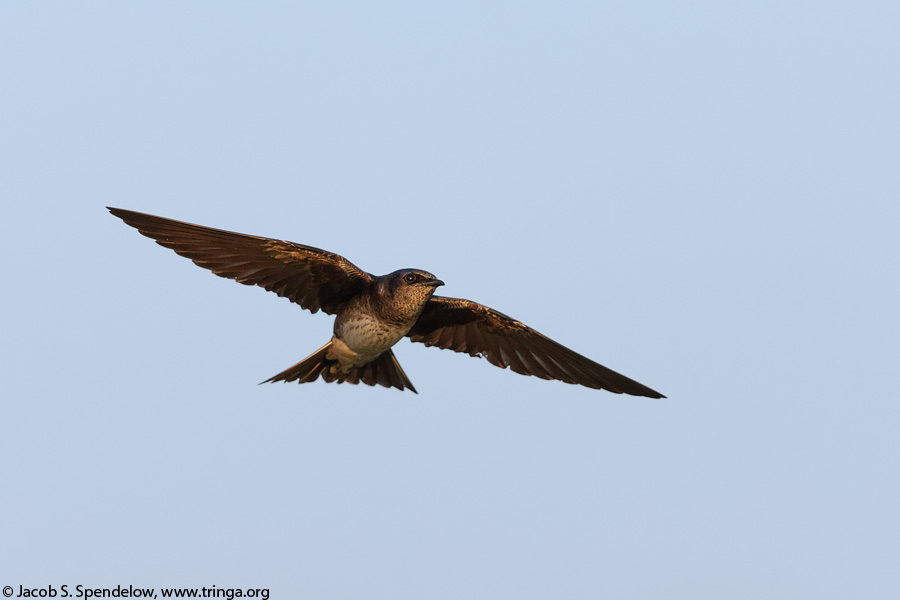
{"x": 364, "y": 339}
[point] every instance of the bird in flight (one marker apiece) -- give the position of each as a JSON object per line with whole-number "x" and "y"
{"x": 372, "y": 313}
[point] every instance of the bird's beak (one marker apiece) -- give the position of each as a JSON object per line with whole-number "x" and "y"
{"x": 435, "y": 282}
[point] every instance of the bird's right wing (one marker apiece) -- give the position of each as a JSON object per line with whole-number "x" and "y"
{"x": 313, "y": 278}
{"x": 466, "y": 326}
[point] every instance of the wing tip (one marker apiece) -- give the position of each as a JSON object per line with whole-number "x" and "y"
{"x": 640, "y": 390}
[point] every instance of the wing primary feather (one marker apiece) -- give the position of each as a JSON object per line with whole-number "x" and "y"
{"x": 466, "y": 326}
{"x": 311, "y": 277}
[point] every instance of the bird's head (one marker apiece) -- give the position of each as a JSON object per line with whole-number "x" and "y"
{"x": 413, "y": 282}
{"x": 410, "y": 287}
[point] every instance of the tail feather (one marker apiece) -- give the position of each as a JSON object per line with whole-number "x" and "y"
{"x": 384, "y": 370}
{"x": 307, "y": 369}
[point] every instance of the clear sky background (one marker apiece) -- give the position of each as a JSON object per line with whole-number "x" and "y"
{"x": 701, "y": 195}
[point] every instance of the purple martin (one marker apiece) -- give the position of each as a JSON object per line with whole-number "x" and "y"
{"x": 372, "y": 313}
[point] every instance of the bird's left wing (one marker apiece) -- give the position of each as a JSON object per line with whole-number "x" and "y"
{"x": 466, "y": 326}
{"x": 313, "y": 278}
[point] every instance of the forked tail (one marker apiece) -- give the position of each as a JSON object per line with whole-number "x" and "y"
{"x": 384, "y": 370}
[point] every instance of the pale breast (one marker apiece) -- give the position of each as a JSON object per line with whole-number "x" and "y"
{"x": 368, "y": 336}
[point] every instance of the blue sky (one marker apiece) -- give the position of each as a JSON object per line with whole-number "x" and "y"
{"x": 703, "y": 196}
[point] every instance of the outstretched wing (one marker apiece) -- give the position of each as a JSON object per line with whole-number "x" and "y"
{"x": 466, "y": 326}
{"x": 313, "y": 278}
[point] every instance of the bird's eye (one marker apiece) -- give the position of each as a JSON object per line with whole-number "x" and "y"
{"x": 409, "y": 278}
